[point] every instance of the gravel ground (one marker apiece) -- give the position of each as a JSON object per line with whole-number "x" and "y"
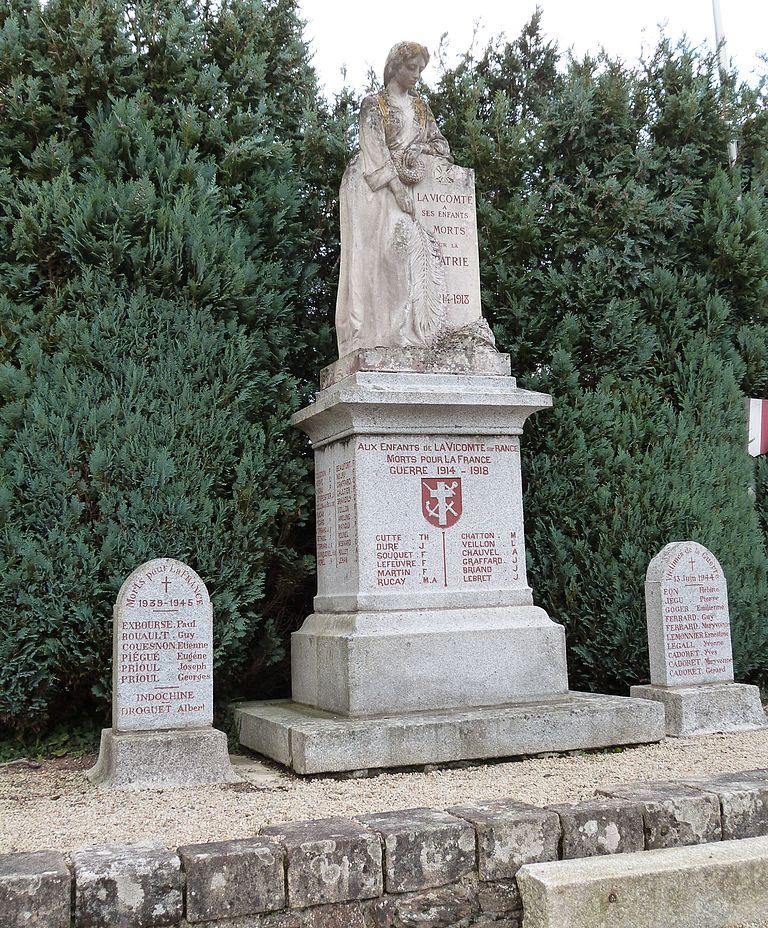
{"x": 54, "y": 806}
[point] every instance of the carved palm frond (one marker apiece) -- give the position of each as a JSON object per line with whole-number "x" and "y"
{"x": 427, "y": 282}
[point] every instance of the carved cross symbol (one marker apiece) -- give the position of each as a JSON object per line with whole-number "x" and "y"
{"x": 166, "y": 584}
{"x": 693, "y": 564}
{"x": 444, "y": 504}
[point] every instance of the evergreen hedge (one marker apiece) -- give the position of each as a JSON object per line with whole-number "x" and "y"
{"x": 158, "y": 213}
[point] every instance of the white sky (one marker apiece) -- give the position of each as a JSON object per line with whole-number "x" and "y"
{"x": 359, "y": 33}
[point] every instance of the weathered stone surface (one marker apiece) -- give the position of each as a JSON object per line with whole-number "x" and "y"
{"x": 423, "y": 848}
{"x": 447, "y": 907}
{"x": 510, "y": 834}
{"x": 743, "y": 803}
{"x": 712, "y": 707}
{"x": 151, "y": 759}
{"x": 492, "y": 921}
{"x": 163, "y": 649}
{"x": 472, "y": 359}
{"x": 330, "y": 860}
{"x": 674, "y": 815}
{"x": 322, "y": 742}
{"x": 689, "y": 628}
{"x": 720, "y": 885}
{"x": 600, "y": 826}
{"x": 127, "y": 886}
{"x": 500, "y": 897}
{"x": 35, "y": 890}
{"x": 337, "y": 915}
{"x": 232, "y": 878}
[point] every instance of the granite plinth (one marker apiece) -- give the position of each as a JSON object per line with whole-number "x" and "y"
{"x": 472, "y": 358}
{"x": 309, "y": 740}
{"x": 423, "y": 601}
{"x": 708, "y": 708}
{"x": 389, "y": 662}
{"x": 158, "y": 759}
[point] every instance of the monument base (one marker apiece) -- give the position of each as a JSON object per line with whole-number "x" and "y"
{"x": 159, "y": 759}
{"x": 385, "y": 663}
{"x": 310, "y": 740}
{"x": 706, "y": 708}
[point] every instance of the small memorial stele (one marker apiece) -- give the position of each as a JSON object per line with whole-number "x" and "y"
{"x": 162, "y": 685}
{"x": 689, "y": 645}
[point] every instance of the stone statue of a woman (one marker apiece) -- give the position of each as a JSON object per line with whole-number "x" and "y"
{"x": 392, "y": 290}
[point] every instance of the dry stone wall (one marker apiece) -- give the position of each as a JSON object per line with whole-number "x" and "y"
{"x": 418, "y": 868}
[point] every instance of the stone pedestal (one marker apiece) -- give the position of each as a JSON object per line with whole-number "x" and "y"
{"x": 423, "y": 606}
{"x": 159, "y": 759}
{"x": 706, "y": 708}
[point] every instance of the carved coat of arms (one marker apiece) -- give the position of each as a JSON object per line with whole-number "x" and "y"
{"x": 441, "y": 500}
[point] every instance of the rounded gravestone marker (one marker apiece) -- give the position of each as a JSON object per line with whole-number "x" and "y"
{"x": 163, "y": 650}
{"x": 689, "y": 629}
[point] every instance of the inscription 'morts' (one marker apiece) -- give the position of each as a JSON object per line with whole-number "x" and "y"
{"x": 689, "y": 629}
{"x": 163, "y": 649}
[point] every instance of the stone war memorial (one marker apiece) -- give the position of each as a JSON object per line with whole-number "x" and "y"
{"x": 162, "y": 685}
{"x": 425, "y": 644}
{"x": 689, "y": 645}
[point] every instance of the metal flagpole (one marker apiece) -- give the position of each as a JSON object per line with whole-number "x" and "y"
{"x": 733, "y": 149}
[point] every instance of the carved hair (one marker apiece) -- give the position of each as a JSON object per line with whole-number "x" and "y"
{"x": 401, "y": 53}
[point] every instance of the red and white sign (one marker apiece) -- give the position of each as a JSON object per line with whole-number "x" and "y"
{"x": 441, "y": 501}
{"x": 757, "y": 427}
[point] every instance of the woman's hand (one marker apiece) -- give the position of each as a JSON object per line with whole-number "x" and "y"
{"x": 403, "y": 196}
{"x": 412, "y": 155}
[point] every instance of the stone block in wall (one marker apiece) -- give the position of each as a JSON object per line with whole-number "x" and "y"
{"x": 423, "y": 848}
{"x": 510, "y": 834}
{"x": 674, "y": 815}
{"x": 35, "y": 890}
{"x": 232, "y": 878}
{"x": 600, "y": 826}
{"x": 500, "y": 898}
{"x": 743, "y": 803}
{"x": 329, "y": 860}
{"x": 445, "y": 907}
{"x": 494, "y": 921}
{"x": 335, "y": 915}
{"x": 127, "y": 886}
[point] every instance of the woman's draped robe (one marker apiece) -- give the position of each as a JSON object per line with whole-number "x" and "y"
{"x": 390, "y": 284}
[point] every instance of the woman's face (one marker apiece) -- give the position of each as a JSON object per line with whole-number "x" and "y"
{"x": 409, "y": 72}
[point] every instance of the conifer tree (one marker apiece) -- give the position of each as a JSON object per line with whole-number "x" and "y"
{"x": 159, "y": 298}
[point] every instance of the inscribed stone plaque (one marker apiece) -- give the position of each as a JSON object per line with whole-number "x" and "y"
{"x": 689, "y": 631}
{"x": 445, "y": 207}
{"x": 446, "y": 515}
{"x": 163, "y": 649}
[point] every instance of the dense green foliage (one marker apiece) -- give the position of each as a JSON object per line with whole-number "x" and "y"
{"x": 158, "y": 213}
{"x": 625, "y": 268}
{"x": 168, "y": 263}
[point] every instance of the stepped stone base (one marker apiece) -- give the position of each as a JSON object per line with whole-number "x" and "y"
{"x": 707, "y": 708}
{"x": 159, "y": 759}
{"x": 314, "y": 741}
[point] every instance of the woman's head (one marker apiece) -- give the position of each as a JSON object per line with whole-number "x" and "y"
{"x": 404, "y": 54}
